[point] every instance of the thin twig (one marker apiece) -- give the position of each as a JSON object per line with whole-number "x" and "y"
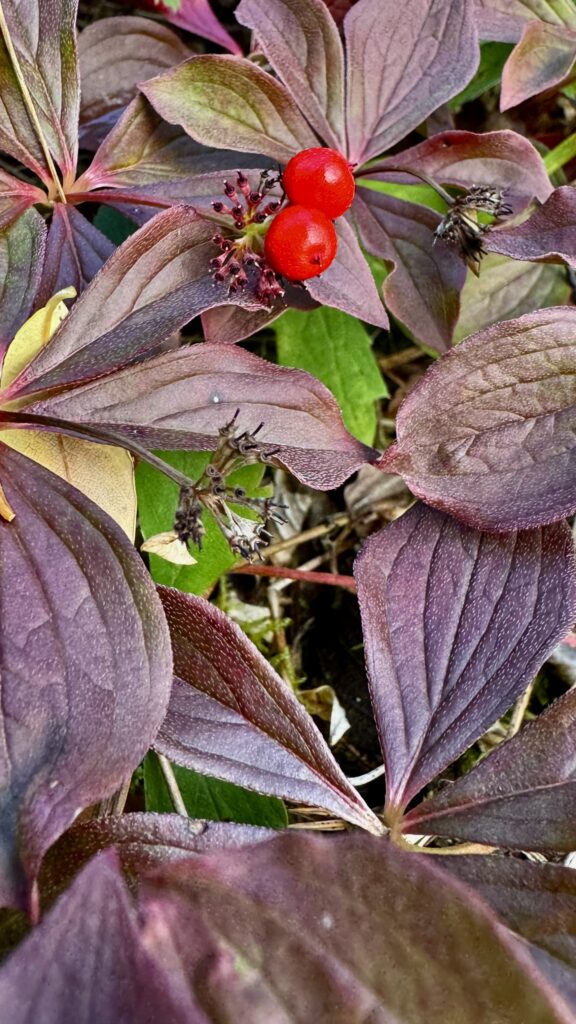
{"x": 312, "y": 534}
{"x": 407, "y": 355}
{"x": 282, "y": 572}
{"x": 363, "y": 780}
{"x": 173, "y": 787}
{"x": 520, "y": 710}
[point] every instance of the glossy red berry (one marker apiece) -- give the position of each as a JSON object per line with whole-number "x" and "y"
{"x": 320, "y": 178}
{"x": 300, "y": 243}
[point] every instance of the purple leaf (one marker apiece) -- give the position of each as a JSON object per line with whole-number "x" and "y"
{"x": 548, "y": 236}
{"x": 228, "y": 324}
{"x": 22, "y": 249}
{"x": 115, "y": 54}
{"x": 488, "y": 433}
{"x": 153, "y": 284}
{"x": 456, "y": 624}
{"x": 181, "y": 399}
{"x": 15, "y": 197}
{"x": 195, "y": 16}
{"x": 75, "y": 251}
{"x": 523, "y": 796}
{"x": 410, "y": 54}
{"x": 142, "y": 842}
{"x": 43, "y": 35}
{"x": 503, "y": 159}
{"x": 348, "y": 283}
{"x": 230, "y": 715}
{"x": 340, "y": 929}
{"x": 229, "y": 103}
{"x": 91, "y": 962}
{"x": 542, "y": 58}
{"x": 423, "y": 289}
{"x": 504, "y": 20}
{"x": 86, "y": 663}
{"x": 302, "y": 43}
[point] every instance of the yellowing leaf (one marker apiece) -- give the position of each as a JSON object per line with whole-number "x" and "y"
{"x": 169, "y": 547}
{"x": 103, "y": 473}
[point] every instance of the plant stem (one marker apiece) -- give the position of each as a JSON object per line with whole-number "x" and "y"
{"x": 173, "y": 787}
{"x": 29, "y": 104}
{"x": 561, "y": 154}
{"x": 330, "y": 578}
{"x": 386, "y": 168}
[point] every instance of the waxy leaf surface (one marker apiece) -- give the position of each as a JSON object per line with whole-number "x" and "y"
{"x": 523, "y": 796}
{"x": 75, "y": 251}
{"x": 90, "y": 962}
{"x": 403, "y": 234}
{"x": 302, "y": 43}
{"x": 230, "y": 715}
{"x": 505, "y": 19}
{"x": 456, "y": 624}
{"x": 86, "y": 663}
{"x": 230, "y": 103}
{"x": 22, "y": 249}
{"x": 409, "y": 54}
{"x": 43, "y": 35}
{"x": 488, "y": 433}
{"x": 181, "y": 399}
{"x": 347, "y": 284}
{"x": 543, "y": 57}
{"x": 277, "y": 921}
{"x": 548, "y": 236}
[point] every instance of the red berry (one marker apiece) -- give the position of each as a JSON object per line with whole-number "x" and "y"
{"x": 300, "y": 243}
{"x": 320, "y": 178}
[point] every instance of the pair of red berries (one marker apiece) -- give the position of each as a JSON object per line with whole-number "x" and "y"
{"x": 301, "y": 241}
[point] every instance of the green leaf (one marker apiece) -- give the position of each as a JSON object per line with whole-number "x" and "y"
{"x": 336, "y": 348}
{"x": 493, "y": 57}
{"x": 423, "y": 195}
{"x": 210, "y": 798}
{"x": 114, "y": 224}
{"x": 157, "y": 501}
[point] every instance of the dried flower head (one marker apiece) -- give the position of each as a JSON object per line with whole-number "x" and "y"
{"x": 460, "y": 226}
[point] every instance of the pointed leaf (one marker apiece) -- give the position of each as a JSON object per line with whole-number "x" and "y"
{"x": 424, "y": 286}
{"x": 154, "y": 283}
{"x": 15, "y": 197}
{"x": 507, "y": 289}
{"x": 22, "y": 249}
{"x": 338, "y": 350}
{"x": 348, "y": 283}
{"x": 277, "y": 921}
{"x": 523, "y": 796}
{"x": 86, "y": 663}
{"x": 505, "y": 19}
{"x": 503, "y": 159}
{"x": 230, "y": 103}
{"x": 456, "y": 624}
{"x": 412, "y": 70}
{"x": 230, "y": 715}
{"x": 181, "y": 399}
{"x": 543, "y": 58}
{"x": 75, "y": 251}
{"x": 195, "y": 16}
{"x": 43, "y": 35}
{"x": 115, "y": 54}
{"x": 549, "y": 235}
{"x": 488, "y": 434}
{"x": 228, "y": 324}
{"x": 90, "y": 961}
{"x": 302, "y": 43}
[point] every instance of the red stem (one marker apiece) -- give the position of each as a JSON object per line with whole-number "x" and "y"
{"x": 331, "y": 578}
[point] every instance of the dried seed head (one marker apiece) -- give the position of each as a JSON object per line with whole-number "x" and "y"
{"x": 460, "y": 227}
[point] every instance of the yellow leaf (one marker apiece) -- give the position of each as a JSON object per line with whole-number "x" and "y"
{"x": 103, "y": 473}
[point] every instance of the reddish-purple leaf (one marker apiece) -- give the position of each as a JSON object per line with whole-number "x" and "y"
{"x": 337, "y": 930}
{"x": 153, "y": 284}
{"x": 488, "y": 433}
{"x": 542, "y": 58}
{"x": 91, "y": 963}
{"x": 339, "y": 8}
{"x": 302, "y": 43}
{"x": 348, "y": 283}
{"x": 22, "y": 249}
{"x": 43, "y": 35}
{"x": 230, "y": 103}
{"x": 423, "y": 289}
{"x": 15, "y": 197}
{"x": 230, "y": 715}
{"x": 228, "y": 324}
{"x": 548, "y": 236}
{"x": 85, "y": 661}
{"x": 75, "y": 251}
{"x": 181, "y": 399}
{"x": 115, "y": 54}
{"x": 523, "y": 796}
{"x": 195, "y": 16}
{"x": 403, "y": 63}
{"x": 456, "y": 624}
{"x": 503, "y": 159}
{"x": 504, "y": 20}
